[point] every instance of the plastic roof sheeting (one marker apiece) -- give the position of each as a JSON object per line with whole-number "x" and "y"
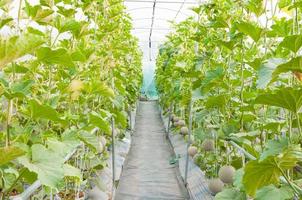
{"x": 151, "y": 23}
{"x": 155, "y": 17}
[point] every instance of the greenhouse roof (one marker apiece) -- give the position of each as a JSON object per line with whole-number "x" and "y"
{"x": 152, "y": 20}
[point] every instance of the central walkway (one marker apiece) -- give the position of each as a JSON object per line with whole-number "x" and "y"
{"x": 147, "y": 174}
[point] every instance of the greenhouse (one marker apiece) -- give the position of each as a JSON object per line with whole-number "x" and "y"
{"x": 150, "y": 100}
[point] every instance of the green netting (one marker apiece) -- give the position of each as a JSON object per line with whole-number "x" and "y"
{"x": 149, "y": 88}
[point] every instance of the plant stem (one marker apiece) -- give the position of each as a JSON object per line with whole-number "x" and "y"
{"x": 15, "y": 182}
{"x": 299, "y": 125}
{"x": 8, "y": 119}
{"x": 241, "y": 88}
{"x": 55, "y": 40}
{"x": 286, "y": 178}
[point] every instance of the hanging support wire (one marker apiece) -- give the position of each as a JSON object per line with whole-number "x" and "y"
{"x": 189, "y": 141}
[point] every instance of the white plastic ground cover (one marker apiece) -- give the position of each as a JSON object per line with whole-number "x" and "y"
{"x": 196, "y": 181}
{"x": 148, "y": 174}
{"x": 105, "y": 189}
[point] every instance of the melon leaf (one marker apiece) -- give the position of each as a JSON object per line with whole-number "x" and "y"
{"x": 10, "y": 153}
{"x": 48, "y": 165}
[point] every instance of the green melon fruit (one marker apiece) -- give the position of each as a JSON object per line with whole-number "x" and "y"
{"x": 175, "y": 124}
{"x": 226, "y": 173}
{"x": 192, "y": 150}
{"x": 184, "y": 130}
{"x": 181, "y": 123}
{"x": 172, "y": 117}
{"x": 215, "y": 185}
{"x": 175, "y": 119}
{"x": 208, "y": 145}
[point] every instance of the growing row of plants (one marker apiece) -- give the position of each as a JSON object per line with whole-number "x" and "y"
{"x": 67, "y": 68}
{"x": 237, "y": 71}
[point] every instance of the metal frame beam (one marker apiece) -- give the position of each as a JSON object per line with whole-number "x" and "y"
{"x": 161, "y": 8}
{"x": 142, "y": 1}
{"x": 151, "y": 29}
{"x": 159, "y": 29}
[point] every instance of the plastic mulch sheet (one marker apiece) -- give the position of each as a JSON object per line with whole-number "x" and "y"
{"x": 103, "y": 184}
{"x": 196, "y": 183}
{"x": 147, "y": 173}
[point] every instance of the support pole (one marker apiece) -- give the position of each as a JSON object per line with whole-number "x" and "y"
{"x": 189, "y": 142}
{"x": 113, "y": 152}
{"x": 170, "y": 118}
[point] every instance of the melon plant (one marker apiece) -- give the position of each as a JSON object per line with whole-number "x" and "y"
{"x": 67, "y": 67}
{"x": 237, "y": 68}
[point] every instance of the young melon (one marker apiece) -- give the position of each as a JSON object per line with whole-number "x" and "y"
{"x": 215, "y": 185}
{"x": 76, "y": 85}
{"x": 184, "y": 130}
{"x": 175, "y": 119}
{"x": 175, "y": 124}
{"x": 192, "y": 150}
{"x": 172, "y": 117}
{"x": 181, "y": 123}
{"x": 226, "y": 173}
{"x": 75, "y": 95}
{"x": 208, "y": 145}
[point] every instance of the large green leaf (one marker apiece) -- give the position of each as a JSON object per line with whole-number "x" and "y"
{"x": 271, "y": 192}
{"x": 71, "y": 171}
{"x": 100, "y": 122}
{"x": 39, "y": 111}
{"x": 37, "y": 13}
{"x": 258, "y": 174}
{"x": 251, "y": 30}
{"x": 20, "y": 89}
{"x": 292, "y": 42}
{"x": 63, "y": 148}
{"x": 255, "y": 6}
{"x": 284, "y": 3}
{"x": 281, "y": 28}
{"x": 10, "y": 153}
{"x": 212, "y": 79}
{"x": 294, "y": 65}
{"x": 57, "y": 56}
{"x": 238, "y": 179}
{"x": 5, "y": 21}
{"x": 64, "y": 25}
{"x": 47, "y": 164}
{"x": 120, "y": 118}
{"x": 230, "y": 194}
{"x": 266, "y": 71}
{"x": 17, "y": 46}
{"x": 262, "y": 173}
{"x": 215, "y": 101}
{"x": 274, "y": 147}
{"x": 89, "y": 139}
{"x": 288, "y": 98}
